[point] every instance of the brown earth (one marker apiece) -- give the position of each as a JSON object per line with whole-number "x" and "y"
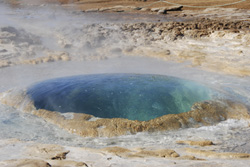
{"x": 87, "y": 4}
{"x": 90, "y": 4}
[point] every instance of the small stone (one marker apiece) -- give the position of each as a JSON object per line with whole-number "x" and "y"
{"x": 116, "y": 150}
{"x": 24, "y": 162}
{"x": 189, "y": 157}
{"x": 67, "y": 46}
{"x": 197, "y": 143}
{"x": 158, "y": 153}
{"x": 162, "y": 11}
{"x": 155, "y": 9}
{"x": 168, "y": 52}
{"x": 60, "y": 156}
{"x": 67, "y": 163}
{"x": 3, "y": 50}
{"x": 5, "y": 64}
{"x": 118, "y": 10}
{"x": 235, "y": 31}
{"x": 104, "y": 9}
{"x": 145, "y": 9}
{"x": 213, "y": 154}
{"x": 175, "y": 8}
{"x": 129, "y": 49}
{"x": 116, "y": 50}
{"x": 92, "y": 10}
{"x": 137, "y": 8}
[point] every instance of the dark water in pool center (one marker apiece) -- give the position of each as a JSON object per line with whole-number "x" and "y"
{"x": 132, "y": 96}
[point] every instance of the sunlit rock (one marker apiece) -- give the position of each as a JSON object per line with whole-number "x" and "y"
{"x": 196, "y": 143}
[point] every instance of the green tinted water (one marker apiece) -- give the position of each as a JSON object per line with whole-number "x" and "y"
{"x": 132, "y": 96}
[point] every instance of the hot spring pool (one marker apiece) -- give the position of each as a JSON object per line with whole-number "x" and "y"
{"x": 132, "y": 96}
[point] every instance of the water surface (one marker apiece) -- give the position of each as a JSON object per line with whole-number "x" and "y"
{"x": 132, "y": 96}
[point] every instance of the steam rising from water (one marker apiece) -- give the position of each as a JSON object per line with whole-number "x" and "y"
{"x": 52, "y": 23}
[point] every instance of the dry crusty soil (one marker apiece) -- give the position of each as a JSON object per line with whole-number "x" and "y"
{"x": 90, "y": 4}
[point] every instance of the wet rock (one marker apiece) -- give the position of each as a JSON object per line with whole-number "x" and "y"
{"x": 119, "y": 151}
{"x": 166, "y": 153}
{"x": 46, "y": 151}
{"x": 162, "y": 11}
{"x": 92, "y": 10}
{"x": 5, "y": 64}
{"x": 155, "y": 9}
{"x": 105, "y": 9}
{"x": 3, "y": 51}
{"x": 55, "y": 56}
{"x": 235, "y": 31}
{"x": 19, "y": 36}
{"x": 64, "y": 44}
{"x": 137, "y": 8}
{"x": 184, "y": 15}
{"x": 212, "y": 154}
{"x": 120, "y": 8}
{"x": 175, "y": 8}
{"x": 145, "y": 9}
{"x": 116, "y": 50}
{"x": 192, "y": 29}
{"x": 60, "y": 156}
{"x": 129, "y": 49}
{"x": 168, "y": 52}
{"x": 67, "y": 163}
{"x": 189, "y": 157}
{"x": 24, "y": 162}
{"x": 196, "y": 143}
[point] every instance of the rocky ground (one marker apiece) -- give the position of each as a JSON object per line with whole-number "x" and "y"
{"x": 195, "y": 41}
{"x": 209, "y": 39}
{"x": 47, "y": 155}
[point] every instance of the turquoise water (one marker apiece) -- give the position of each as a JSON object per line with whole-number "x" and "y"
{"x": 132, "y": 96}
